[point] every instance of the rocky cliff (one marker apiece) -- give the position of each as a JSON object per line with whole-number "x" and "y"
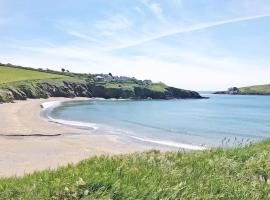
{"x": 69, "y": 88}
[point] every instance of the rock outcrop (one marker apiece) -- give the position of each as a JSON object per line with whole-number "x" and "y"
{"x": 43, "y": 89}
{"x": 231, "y": 91}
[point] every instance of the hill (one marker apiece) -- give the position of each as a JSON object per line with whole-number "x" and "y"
{"x": 19, "y": 83}
{"x": 12, "y": 74}
{"x": 240, "y": 173}
{"x": 258, "y": 89}
{"x": 251, "y": 90}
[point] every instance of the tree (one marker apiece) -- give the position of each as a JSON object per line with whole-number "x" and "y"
{"x": 63, "y": 70}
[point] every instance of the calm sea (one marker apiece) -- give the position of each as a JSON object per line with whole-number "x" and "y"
{"x": 218, "y": 121}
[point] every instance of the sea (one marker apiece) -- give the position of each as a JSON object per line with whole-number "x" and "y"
{"x": 195, "y": 124}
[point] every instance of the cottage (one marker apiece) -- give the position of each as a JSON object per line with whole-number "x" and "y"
{"x": 147, "y": 82}
{"x": 99, "y": 78}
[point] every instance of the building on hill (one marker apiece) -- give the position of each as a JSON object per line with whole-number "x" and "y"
{"x": 110, "y": 78}
{"x": 99, "y": 78}
{"x": 147, "y": 82}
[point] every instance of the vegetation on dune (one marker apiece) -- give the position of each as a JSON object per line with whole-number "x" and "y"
{"x": 240, "y": 173}
{"x": 11, "y": 74}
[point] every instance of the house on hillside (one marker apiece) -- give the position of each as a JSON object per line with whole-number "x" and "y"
{"x": 99, "y": 78}
{"x": 147, "y": 82}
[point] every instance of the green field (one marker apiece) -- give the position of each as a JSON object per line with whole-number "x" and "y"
{"x": 258, "y": 89}
{"x": 158, "y": 87}
{"x": 11, "y": 74}
{"x": 241, "y": 173}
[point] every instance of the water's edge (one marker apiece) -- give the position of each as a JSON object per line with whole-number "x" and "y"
{"x": 50, "y": 106}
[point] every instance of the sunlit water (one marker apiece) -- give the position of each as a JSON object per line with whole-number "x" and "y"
{"x": 219, "y": 121}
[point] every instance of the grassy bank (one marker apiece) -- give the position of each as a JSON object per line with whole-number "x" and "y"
{"x": 240, "y": 173}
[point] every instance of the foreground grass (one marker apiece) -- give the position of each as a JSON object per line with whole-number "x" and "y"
{"x": 240, "y": 173}
{"x": 10, "y": 74}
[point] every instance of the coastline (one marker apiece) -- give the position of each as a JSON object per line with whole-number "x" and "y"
{"x": 30, "y": 140}
{"x": 30, "y": 143}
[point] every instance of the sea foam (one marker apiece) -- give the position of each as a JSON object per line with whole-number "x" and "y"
{"x": 49, "y": 106}
{"x": 172, "y": 144}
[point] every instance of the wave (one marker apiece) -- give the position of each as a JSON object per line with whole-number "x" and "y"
{"x": 110, "y": 99}
{"x": 75, "y": 123}
{"x": 48, "y": 107}
{"x": 172, "y": 144}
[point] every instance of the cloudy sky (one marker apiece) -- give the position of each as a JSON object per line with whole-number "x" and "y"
{"x": 192, "y": 44}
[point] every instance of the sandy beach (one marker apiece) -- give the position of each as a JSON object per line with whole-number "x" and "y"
{"x": 25, "y": 149}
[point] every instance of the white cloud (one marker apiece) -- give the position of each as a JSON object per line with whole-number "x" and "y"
{"x": 96, "y": 43}
{"x": 156, "y": 9}
{"x": 118, "y": 31}
{"x": 189, "y": 70}
{"x": 112, "y": 24}
{"x": 120, "y": 40}
{"x": 191, "y": 28}
{"x": 83, "y": 36}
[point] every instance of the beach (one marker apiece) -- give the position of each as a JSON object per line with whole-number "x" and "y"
{"x": 29, "y": 142}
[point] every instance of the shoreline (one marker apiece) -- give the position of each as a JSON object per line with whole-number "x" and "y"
{"x": 31, "y": 141}
{"x": 24, "y": 149}
{"x": 48, "y": 107}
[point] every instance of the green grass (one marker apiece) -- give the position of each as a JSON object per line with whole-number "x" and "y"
{"x": 262, "y": 89}
{"x": 158, "y": 87}
{"x": 126, "y": 86}
{"x": 10, "y": 74}
{"x": 240, "y": 173}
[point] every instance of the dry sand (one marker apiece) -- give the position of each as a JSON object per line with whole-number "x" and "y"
{"x": 25, "y": 154}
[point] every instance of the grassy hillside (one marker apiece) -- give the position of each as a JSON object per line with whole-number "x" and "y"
{"x": 18, "y": 83}
{"x": 240, "y": 173}
{"x": 10, "y": 74}
{"x": 258, "y": 89}
{"x": 251, "y": 90}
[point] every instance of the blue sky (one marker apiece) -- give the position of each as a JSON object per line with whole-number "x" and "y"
{"x": 192, "y": 44}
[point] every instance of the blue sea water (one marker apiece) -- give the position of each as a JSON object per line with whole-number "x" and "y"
{"x": 221, "y": 120}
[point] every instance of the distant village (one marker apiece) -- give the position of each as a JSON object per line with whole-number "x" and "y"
{"x": 118, "y": 79}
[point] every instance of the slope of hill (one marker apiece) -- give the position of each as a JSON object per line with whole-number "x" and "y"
{"x": 251, "y": 90}
{"x": 258, "y": 89}
{"x": 10, "y": 74}
{"x": 18, "y": 83}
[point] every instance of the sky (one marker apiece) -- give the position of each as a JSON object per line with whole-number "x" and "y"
{"x": 190, "y": 44}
